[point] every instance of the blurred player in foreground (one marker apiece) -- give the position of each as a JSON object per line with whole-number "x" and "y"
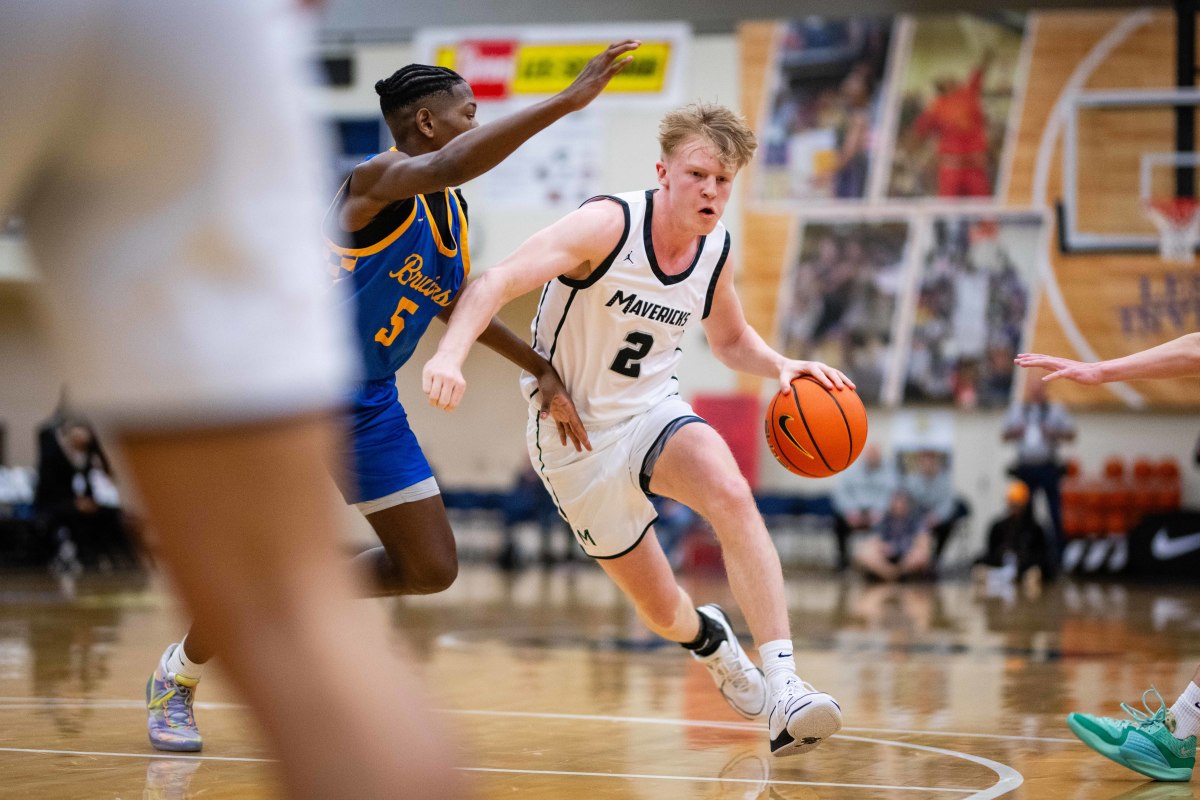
{"x": 624, "y": 277}
{"x": 1161, "y": 743}
{"x": 160, "y": 155}
{"x": 397, "y": 239}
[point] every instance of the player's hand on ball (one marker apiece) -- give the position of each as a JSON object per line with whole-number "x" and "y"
{"x": 557, "y": 403}
{"x": 826, "y": 375}
{"x": 443, "y": 382}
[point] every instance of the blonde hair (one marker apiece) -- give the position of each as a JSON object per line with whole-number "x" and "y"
{"x": 724, "y": 128}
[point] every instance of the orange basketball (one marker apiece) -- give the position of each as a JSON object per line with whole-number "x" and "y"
{"x": 813, "y": 431}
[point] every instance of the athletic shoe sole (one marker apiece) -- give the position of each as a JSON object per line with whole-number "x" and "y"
{"x": 823, "y": 719}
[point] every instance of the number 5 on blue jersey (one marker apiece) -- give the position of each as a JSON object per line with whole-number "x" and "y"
{"x": 386, "y": 337}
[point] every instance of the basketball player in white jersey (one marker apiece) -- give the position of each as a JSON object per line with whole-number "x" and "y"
{"x": 625, "y": 276}
{"x": 1160, "y": 743}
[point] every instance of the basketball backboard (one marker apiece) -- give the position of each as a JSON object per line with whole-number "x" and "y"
{"x": 1121, "y": 151}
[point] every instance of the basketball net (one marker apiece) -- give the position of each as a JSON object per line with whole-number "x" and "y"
{"x": 1178, "y": 223}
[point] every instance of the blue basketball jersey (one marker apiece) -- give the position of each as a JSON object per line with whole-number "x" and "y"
{"x": 400, "y": 272}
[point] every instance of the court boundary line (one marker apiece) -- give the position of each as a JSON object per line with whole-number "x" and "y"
{"x": 567, "y": 773}
{"x": 12, "y": 703}
{"x": 43, "y": 751}
{"x": 1012, "y": 737}
{"x": 1008, "y": 777}
{"x": 748, "y": 726}
{"x": 719, "y": 779}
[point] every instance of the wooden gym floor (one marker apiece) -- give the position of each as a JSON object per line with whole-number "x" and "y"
{"x": 556, "y": 691}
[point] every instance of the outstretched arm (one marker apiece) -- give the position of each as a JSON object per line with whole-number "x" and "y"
{"x": 739, "y": 347}
{"x": 573, "y": 246}
{"x": 394, "y": 176}
{"x": 1179, "y": 358}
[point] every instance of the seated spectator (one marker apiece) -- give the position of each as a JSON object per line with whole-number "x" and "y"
{"x": 675, "y": 521}
{"x": 16, "y": 490}
{"x": 76, "y": 501}
{"x": 860, "y": 498}
{"x": 1016, "y": 544}
{"x": 528, "y": 501}
{"x": 932, "y": 492}
{"x": 900, "y": 546}
{"x": 19, "y": 542}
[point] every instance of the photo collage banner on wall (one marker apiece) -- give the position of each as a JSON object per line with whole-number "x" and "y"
{"x": 885, "y": 140}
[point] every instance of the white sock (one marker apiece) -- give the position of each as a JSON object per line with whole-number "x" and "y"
{"x": 778, "y": 662}
{"x": 178, "y": 664}
{"x": 1187, "y": 712}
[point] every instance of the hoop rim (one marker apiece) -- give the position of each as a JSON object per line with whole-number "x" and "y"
{"x": 1178, "y": 210}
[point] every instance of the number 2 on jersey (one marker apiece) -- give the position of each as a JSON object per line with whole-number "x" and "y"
{"x": 386, "y": 337}
{"x": 626, "y": 362}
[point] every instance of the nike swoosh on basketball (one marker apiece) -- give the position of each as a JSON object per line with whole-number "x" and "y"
{"x": 784, "y": 419}
{"x": 1166, "y": 547}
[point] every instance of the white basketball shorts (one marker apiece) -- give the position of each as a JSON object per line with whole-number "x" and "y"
{"x": 604, "y": 494}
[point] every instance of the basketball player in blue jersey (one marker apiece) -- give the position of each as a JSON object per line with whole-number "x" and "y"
{"x": 397, "y": 239}
{"x": 623, "y": 278}
{"x": 1159, "y": 743}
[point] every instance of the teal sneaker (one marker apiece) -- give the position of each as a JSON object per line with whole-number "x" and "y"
{"x": 1147, "y": 744}
{"x": 170, "y": 721}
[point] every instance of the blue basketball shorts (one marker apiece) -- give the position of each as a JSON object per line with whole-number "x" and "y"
{"x": 381, "y": 455}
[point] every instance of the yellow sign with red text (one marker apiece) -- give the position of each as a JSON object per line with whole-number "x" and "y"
{"x": 550, "y": 68}
{"x": 502, "y": 69}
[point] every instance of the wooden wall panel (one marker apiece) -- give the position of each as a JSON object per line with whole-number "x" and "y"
{"x": 1118, "y": 303}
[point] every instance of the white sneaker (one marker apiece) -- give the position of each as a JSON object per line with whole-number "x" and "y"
{"x": 741, "y": 682}
{"x": 801, "y": 718}
{"x": 1073, "y": 554}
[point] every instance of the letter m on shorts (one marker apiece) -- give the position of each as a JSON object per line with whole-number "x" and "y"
{"x": 585, "y": 536}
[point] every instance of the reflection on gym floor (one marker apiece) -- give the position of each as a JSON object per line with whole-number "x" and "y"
{"x": 556, "y": 690}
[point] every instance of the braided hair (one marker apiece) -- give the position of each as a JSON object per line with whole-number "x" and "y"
{"x": 409, "y": 84}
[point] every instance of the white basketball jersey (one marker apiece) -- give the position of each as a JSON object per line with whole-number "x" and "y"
{"x": 615, "y": 336}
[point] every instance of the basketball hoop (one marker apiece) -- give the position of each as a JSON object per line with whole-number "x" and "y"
{"x": 1178, "y": 223}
